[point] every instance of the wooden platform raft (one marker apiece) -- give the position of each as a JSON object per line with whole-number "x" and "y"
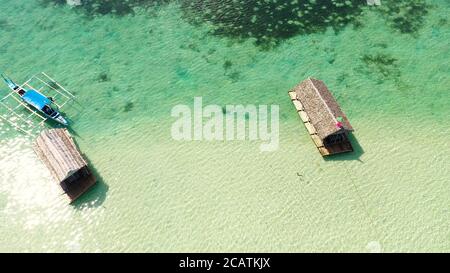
{"x": 59, "y": 153}
{"x": 327, "y": 125}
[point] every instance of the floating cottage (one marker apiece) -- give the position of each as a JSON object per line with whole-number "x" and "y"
{"x": 323, "y": 118}
{"x": 59, "y": 153}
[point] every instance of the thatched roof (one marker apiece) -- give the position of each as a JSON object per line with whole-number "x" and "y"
{"x": 321, "y": 107}
{"x": 58, "y": 151}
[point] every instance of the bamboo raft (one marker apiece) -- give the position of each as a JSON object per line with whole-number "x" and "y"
{"x": 59, "y": 153}
{"x": 319, "y": 112}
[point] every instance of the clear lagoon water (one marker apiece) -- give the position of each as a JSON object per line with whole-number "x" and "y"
{"x": 158, "y": 194}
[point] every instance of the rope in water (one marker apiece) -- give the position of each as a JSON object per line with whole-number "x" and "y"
{"x": 378, "y": 232}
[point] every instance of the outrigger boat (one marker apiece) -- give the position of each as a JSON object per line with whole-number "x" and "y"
{"x": 41, "y": 106}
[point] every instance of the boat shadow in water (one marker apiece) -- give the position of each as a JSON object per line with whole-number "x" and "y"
{"x": 96, "y": 195}
{"x": 73, "y": 132}
{"x": 358, "y": 151}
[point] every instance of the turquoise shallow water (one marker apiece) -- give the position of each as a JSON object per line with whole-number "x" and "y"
{"x": 157, "y": 194}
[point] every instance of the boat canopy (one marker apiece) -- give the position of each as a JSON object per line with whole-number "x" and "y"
{"x": 36, "y": 99}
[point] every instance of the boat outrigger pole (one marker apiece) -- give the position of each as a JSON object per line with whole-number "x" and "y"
{"x": 9, "y": 82}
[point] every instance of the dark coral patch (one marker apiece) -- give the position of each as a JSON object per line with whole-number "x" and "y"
{"x": 115, "y": 7}
{"x": 405, "y": 16}
{"x": 128, "y": 107}
{"x": 381, "y": 66}
{"x": 271, "y": 21}
{"x": 103, "y": 77}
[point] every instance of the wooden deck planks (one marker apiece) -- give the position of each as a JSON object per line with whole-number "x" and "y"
{"x": 293, "y": 95}
{"x": 310, "y": 128}
{"x": 298, "y": 105}
{"x": 303, "y": 116}
{"x": 316, "y": 139}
